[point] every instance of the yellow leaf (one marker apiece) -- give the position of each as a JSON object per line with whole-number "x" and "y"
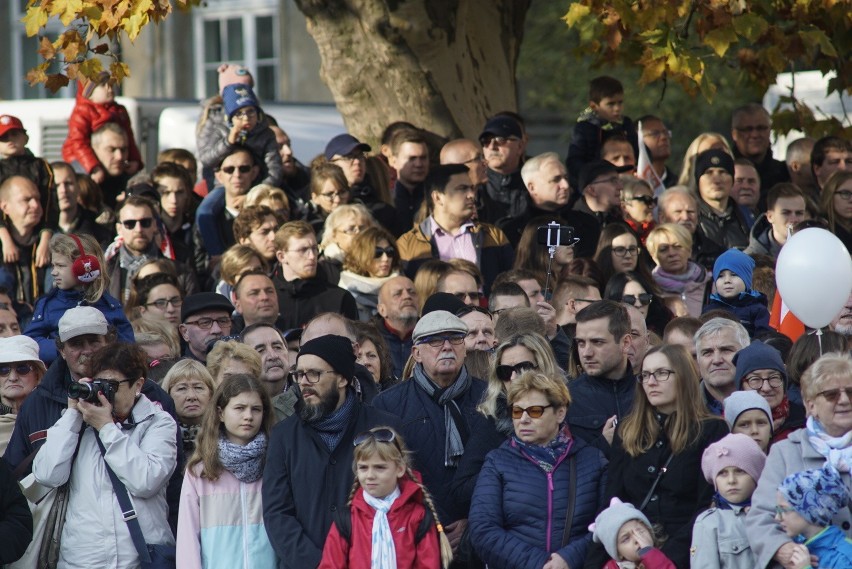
{"x": 38, "y": 74}
{"x": 576, "y": 13}
{"x": 720, "y": 40}
{"x": 90, "y": 68}
{"x": 652, "y": 71}
{"x": 34, "y": 20}
{"x": 119, "y": 71}
{"x": 71, "y": 10}
{"x": 46, "y": 49}
{"x": 134, "y": 24}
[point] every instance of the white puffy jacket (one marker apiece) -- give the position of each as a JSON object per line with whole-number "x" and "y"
{"x": 143, "y": 457}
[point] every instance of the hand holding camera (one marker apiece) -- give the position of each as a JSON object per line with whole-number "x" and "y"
{"x": 93, "y": 399}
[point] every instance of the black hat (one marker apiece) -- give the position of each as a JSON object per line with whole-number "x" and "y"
{"x": 713, "y": 158}
{"x": 336, "y": 350}
{"x": 344, "y": 144}
{"x": 502, "y": 126}
{"x": 442, "y": 301}
{"x": 201, "y": 301}
{"x": 592, "y": 170}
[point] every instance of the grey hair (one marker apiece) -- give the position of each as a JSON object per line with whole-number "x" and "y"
{"x": 717, "y": 325}
{"x": 830, "y": 366}
{"x": 534, "y": 164}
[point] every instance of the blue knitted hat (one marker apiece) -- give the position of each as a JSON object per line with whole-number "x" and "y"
{"x": 755, "y": 356}
{"x": 738, "y": 263}
{"x": 238, "y": 96}
{"x": 817, "y": 495}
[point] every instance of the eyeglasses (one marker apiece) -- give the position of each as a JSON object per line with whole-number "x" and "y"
{"x": 207, "y": 323}
{"x": 756, "y": 382}
{"x": 761, "y": 129}
{"x": 246, "y": 114}
{"x": 644, "y": 299}
{"x": 243, "y": 169}
{"x": 331, "y": 196}
{"x": 647, "y": 200}
{"x": 113, "y": 383}
{"x": 625, "y": 251}
{"x": 162, "y": 303}
{"x": 661, "y": 375}
{"x": 305, "y": 250}
{"x": 498, "y": 140}
{"x": 350, "y": 157}
{"x": 312, "y": 375}
{"x": 833, "y": 395}
{"x": 145, "y": 222}
{"x": 504, "y": 372}
{"x": 473, "y": 296}
{"x": 20, "y": 369}
{"x": 379, "y": 435}
{"x": 845, "y": 195}
{"x": 438, "y": 341}
{"x": 389, "y": 251}
{"x": 657, "y": 133}
{"x": 534, "y": 411}
{"x": 780, "y": 510}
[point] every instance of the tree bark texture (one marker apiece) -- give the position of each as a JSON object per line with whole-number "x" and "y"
{"x": 443, "y": 65}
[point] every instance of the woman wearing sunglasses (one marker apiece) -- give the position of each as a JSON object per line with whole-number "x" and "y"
{"x": 637, "y": 206}
{"x": 21, "y": 371}
{"x": 635, "y": 289}
{"x": 372, "y": 260}
{"x": 619, "y": 251}
{"x": 655, "y": 462}
{"x": 825, "y": 440}
{"x": 670, "y": 246}
{"x": 537, "y": 483}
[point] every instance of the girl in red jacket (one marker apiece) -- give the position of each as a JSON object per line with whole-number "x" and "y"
{"x": 628, "y": 538}
{"x": 392, "y": 520}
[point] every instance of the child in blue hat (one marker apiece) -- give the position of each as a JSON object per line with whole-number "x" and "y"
{"x": 732, "y": 274}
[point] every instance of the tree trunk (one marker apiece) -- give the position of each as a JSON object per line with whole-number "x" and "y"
{"x": 443, "y": 65}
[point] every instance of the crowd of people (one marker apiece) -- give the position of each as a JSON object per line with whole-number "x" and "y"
{"x": 445, "y": 353}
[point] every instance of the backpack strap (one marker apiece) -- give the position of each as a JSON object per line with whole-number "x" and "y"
{"x": 426, "y": 524}
{"x": 343, "y": 521}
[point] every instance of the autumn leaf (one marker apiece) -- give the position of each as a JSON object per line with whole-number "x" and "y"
{"x": 38, "y": 74}
{"x": 119, "y": 71}
{"x": 818, "y": 38}
{"x": 750, "y": 26}
{"x": 46, "y": 49}
{"x": 134, "y": 25}
{"x": 90, "y": 68}
{"x": 69, "y": 10}
{"x": 576, "y": 12}
{"x": 55, "y": 81}
{"x": 34, "y": 20}
{"x": 720, "y": 39}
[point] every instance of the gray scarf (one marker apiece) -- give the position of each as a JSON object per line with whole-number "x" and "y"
{"x": 454, "y": 422}
{"x": 244, "y": 462}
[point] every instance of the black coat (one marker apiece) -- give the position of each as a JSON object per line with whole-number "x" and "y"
{"x": 718, "y": 233}
{"x": 596, "y": 399}
{"x": 304, "y": 484}
{"x": 302, "y": 299}
{"x": 16, "y": 521}
{"x": 484, "y": 437}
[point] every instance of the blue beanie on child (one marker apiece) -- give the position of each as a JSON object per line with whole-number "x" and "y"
{"x": 817, "y": 495}
{"x": 738, "y": 263}
{"x": 236, "y": 97}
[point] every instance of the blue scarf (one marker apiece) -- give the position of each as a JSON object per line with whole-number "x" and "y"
{"x": 331, "y": 428}
{"x": 723, "y": 504}
{"x": 548, "y": 455}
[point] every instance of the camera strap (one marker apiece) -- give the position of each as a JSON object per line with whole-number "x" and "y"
{"x": 128, "y": 513}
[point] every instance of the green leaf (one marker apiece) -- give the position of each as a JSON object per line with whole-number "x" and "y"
{"x": 720, "y": 40}
{"x": 750, "y": 26}
{"x": 576, "y": 12}
{"x": 818, "y": 37}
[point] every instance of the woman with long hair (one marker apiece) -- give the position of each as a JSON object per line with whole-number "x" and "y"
{"x": 329, "y": 190}
{"x": 619, "y": 250}
{"x": 533, "y": 256}
{"x": 836, "y": 204}
{"x": 635, "y": 289}
{"x": 372, "y": 260}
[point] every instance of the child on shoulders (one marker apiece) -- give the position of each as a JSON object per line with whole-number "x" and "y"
{"x": 732, "y": 275}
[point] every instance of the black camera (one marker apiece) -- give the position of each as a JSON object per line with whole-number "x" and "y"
{"x": 88, "y": 392}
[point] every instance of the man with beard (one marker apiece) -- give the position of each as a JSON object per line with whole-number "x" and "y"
{"x": 74, "y": 218}
{"x": 205, "y": 318}
{"x": 308, "y": 473}
{"x": 268, "y": 341}
{"x": 397, "y": 316}
{"x": 842, "y": 323}
{"x": 437, "y": 407}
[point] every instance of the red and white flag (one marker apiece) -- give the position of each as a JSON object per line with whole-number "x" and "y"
{"x": 644, "y": 168}
{"x": 784, "y": 321}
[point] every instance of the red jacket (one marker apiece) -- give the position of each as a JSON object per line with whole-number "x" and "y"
{"x": 86, "y": 118}
{"x": 654, "y": 559}
{"x": 404, "y": 517}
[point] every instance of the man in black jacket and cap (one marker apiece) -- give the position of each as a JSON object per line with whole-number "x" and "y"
{"x": 205, "y": 318}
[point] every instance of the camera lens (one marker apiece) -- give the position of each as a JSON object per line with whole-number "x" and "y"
{"x": 80, "y": 390}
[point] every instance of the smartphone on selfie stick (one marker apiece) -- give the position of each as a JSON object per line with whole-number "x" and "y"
{"x": 552, "y": 236}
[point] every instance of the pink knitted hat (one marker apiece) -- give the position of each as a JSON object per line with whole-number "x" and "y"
{"x": 231, "y": 73}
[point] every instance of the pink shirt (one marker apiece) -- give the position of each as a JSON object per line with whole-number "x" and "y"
{"x": 458, "y": 246}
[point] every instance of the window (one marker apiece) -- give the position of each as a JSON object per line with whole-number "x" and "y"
{"x": 24, "y": 56}
{"x": 244, "y": 32}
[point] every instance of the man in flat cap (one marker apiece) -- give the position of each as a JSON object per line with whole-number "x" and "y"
{"x": 437, "y": 406}
{"x": 205, "y": 317}
{"x": 308, "y": 473}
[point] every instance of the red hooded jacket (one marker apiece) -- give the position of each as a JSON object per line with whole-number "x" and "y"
{"x": 404, "y": 517}
{"x": 86, "y": 118}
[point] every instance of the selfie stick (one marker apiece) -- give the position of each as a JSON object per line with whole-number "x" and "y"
{"x": 552, "y": 244}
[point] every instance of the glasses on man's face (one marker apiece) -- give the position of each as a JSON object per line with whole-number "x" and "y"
{"x": 473, "y": 296}
{"x": 311, "y": 375}
{"x": 659, "y": 375}
{"x": 657, "y": 133}
{"x": 206, "y": 323}
{"x": 350, "y": 158}
{"x": 845, "y": 195}
{"x": 303, "y": 251}
{"x": 383, "y": 251}
{"x": 162, "y": 303}
{"x": 647, "y": 200}
{"x": 760, "y": 129}
{"x": 438, "y": 341}
{"x": 242, "y": 169}
{"x": 625, "y": 251}
{"x": 498, "y": 140}
{"x": 756, "y": 382}
{"x": 534, "y": 411}
{"x": 20, "y": 369}
{"x": 833, "y": 395}
{"x": 504, "y": 372}
{"x": 145, "y": 222}
{"x": 331, "y": 196}
{"x": 380, "y": 435}
{"x": 644, "y": 298}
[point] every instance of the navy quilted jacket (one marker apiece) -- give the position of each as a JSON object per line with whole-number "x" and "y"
{"x": 517, "y": 515}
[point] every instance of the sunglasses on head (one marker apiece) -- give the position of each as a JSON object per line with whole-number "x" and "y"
{"x": 145, "y": 222}
{"x": 534, "y": 411}
{"x": 644, "y": 298}
{"x": 379, "y": 435}
{"x": 244, "y": 169}
{"x": 389, "y": 251}
{"x": 647, "y": 200}
{"x": 504, "y": 372}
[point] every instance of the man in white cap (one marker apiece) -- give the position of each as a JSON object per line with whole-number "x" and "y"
{"x": 437, "y": 406}
{"x": 20, "y": 372}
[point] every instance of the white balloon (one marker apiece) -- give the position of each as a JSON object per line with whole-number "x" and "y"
{"x": 814, "y": 276}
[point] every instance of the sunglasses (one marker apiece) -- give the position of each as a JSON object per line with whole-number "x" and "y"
{"x": 145, "y": 222}
{"x": 644, "y": 298}
{"x": 647, "y": 200}
{"x": 244, "y": 169}
{"x": 830, "y": 395}
{"x": 474, "y": 296}
{"x": 379, "y": 435}
{"x": 20, "y": 369}
{"x": 534, "y": 411}
{"x": 389, "y": 251}
{"x": 504, "y": 372}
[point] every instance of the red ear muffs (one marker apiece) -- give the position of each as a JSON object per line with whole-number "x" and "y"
{"x": 86, "y": 267}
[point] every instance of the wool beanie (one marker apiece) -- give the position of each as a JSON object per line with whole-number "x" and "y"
{"x": 733, "y": 450}
{"x": 817, "y": 495}
{"x": 713, "y": 158}
{"x": 90, "y": 85}
{"x": 738, "y": 263}
{"x": 739, "y": 402}
{"x": 335, "y": 350}
{"x": 758, "y": 356}
{"x": 606, "y": 526}
{"x": 230, "y": 74}
{"x": 236, "y": 97}
{"x": 442, "y": 301}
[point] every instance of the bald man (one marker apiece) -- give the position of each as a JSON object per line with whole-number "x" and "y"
{"x": 399, "y": 310}
{"x": 469, "y": 153}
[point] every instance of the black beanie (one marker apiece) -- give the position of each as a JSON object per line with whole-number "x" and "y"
{"x": 442, "y": 301}
{"x": 713, "y": 158}
{"x": 335, "y": 350}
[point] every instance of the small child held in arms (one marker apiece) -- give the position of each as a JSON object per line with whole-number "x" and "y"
{"x": 748, "y": 413}
{"x": 733, "y": 465}
{"x": 732, "y": 275}
{"x": 95, "y": 107}
{"x": 603, "y": 118}
{"x": 807, "y": 501}
{"x": 628, "y": 538}
{"x": 386, "y": 494}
